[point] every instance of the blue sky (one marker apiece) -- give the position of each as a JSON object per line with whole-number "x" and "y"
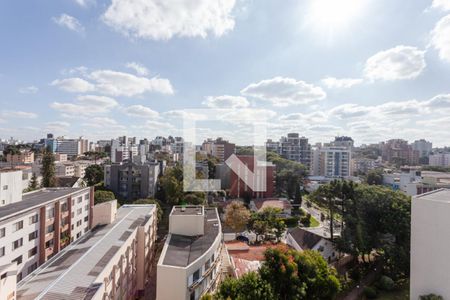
{"x": 372, "y": 69}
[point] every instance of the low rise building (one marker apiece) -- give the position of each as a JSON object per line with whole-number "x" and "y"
{"x": 11, "y": 186}
{"x": 190, "y": 262}
{"x": 24, "y": 157}
{"x": 112, "y": 262}
{"x": 284, "y": 205}
{"x": 440, "y": 160}
{"x": 430, "y": 236}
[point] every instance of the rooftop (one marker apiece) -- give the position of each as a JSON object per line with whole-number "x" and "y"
{"x": 187, "y": 210}
{"x": 36, "y": 198}
{"x": 73, "y": 273}
{"x": 275, "y": 203}
{"x": 441, "y": 195}
{"x": 184, "y": 250}
{"x": 305, "y": 239}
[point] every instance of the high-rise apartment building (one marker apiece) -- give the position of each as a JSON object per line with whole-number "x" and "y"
{"x": 423, "y": 147}
{"x": 398, "y": 151}
{"x": 219, "y": 148}
{"x": 331, "y": 161}
{"x": 440, "y": 160}
{"x": 296, "y": 148}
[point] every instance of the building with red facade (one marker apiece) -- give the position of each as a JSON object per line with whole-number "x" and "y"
{"x": 244, "y": 176}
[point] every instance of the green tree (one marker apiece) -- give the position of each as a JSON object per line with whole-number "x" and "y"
{"x": 267, "y": 221}
{"x": 172, "y": 184}
{"x": 93, "y": 175}
{"x": 299, "y": 275}
{"x": 152, "y": 201}
{"x": 103, "y": 196}
{"x": 431, "y": 297}
{"x": 375, "y": 177}
{"x": 48, "y": 169}
{"x": 33, "y": 185}
{"x": 297, "y": 199}
{"x": 248, "y": 287}
{"x": 237, "y": 216}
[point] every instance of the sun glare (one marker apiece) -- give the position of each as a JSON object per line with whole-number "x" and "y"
{"x": 334, "y": 14}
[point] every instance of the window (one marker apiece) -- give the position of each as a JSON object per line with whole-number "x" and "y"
{"x": 79, "y": 223}
{"x": 196, "y": 276}
{"x": 192, "y": 296}
{"x": 72, "y": 214}
{"x": 34, "y": 219}
{"x": 51, "y": 213}
{"x": 2, "y": 232}
{"x": 72, "y": 227}
{"x": 79, "y": 211}
{"x": 32, "y": 252}
{"x": 2, "y": 251}
{"x": 78, "y": 234}
{"x": 18, "y": 260}
{"x": 19, "y": 277}
{"x": 86, "y": 218}
{"x": 17, "y": 244}
{"x": 73, "y": 202}
{"x": 86, "y": 208}
{"x": 32, "y": 268}
{"x": 5, "y": 187}
{"x": 86, "y": 196}
{"x": 86, "y": 229}
{"x": 64, "y": 207}
{"x": 79, "y": 199}
{"x": 17, "y": 225}
{"x": 33, "y": 235}
{"x": 49, "y": 243}
{"x": 50, "y": 228}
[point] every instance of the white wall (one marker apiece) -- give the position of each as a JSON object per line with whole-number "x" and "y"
{"x": 10, "y": 187}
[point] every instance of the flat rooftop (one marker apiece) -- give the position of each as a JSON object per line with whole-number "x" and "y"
{"x": 441, "y": 195}
{"x": 36, "y": 198}
{"x": 73, "y": 273}
{"x": 190, "y": 210}
{"x": 183, "y": 250}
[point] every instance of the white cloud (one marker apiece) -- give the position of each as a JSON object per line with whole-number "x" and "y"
{"x": 73, "y": 85}
{"x": 162, "y": 19}
{"x": 341, "y": 83}
{"x": 282, "y": 91}
{"x": 140, "y": 111}
{"x": 114, "y": 83}
{"x": 138, "y": 68}
{"x": 314, "y": 117}
{"x": 29, "y": 90}
{"x": 84, "y": 3}
{"x": 440, "y": 38}
{"x": 57, "y": 124}
{"x": 86, "y": 105}
{"x": 401, "y": 62}
{"x": 69, "y": 22}
{"x": 124, "y": 84}
{"x": 443, "y": 5}
{"x": 18, "y": 114}
{"x": 226, "y": 101}
{"x": 349, "y": 110}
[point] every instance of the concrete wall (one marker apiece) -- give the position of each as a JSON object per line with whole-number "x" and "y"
{"x": 430, "y": 244}
{"x": 104, "y": 213}
{"x": 8, "y": 283}
{"x": 11, "y": 187}
{"x": 190, "y": 225}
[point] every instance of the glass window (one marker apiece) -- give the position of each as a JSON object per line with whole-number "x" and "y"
{"x": 2, "y": 251}
{"x": 51, "y": 213}
{"x": 33, "y": 236}
{"x": 2, "y": 232}
{"x": 196, "y": 276}
{"x": 18, "y": 260}
{"x": 5, "y": 187}
{"x": 50, "y": 228}
{"x": 18, "y": 243}
{"x": 17, "y": 225}
{"x": 32, "y": 252}
{"x": 34, "y": 219}
{"x": 79, "y": 199}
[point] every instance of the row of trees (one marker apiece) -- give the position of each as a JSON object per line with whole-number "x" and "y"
{"x": 285, "y": 274}
{"x": 374, "y": 218}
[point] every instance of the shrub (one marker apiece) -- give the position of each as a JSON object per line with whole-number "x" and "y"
{"x": 431, "y": 297}
{"x": 291, "y": 221}
{"x": 386, "y": 283}
{"x": 370, "y": 292}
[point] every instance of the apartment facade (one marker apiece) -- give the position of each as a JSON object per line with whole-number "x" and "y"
{"x": 400, "y": 152}
{"x": 112, "y": 262}
{"x": 11, "y": 186}
{"x": 132, "y": 180}
{"x": 423, "y": 147}
{"x": 24, "y": 157}
{"x": 332, "y": 161}
{"x": 296, "y": 148}
{"x": 430, "y": 241}
{"x": 190, "y": 262}
{"x": 219, "y": 148}
{"x": 256, "y": 176}
{"x": 42, "y": 223}
{"x": 440, "y": 160}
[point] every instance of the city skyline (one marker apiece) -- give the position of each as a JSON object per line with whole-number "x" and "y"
{"x": 86, "y": 68}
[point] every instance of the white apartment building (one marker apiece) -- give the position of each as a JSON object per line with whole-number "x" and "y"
{"x": 430, "y": 241}
{"x": 331, "y": 161}
{"x": 190, "y": 262}
{"x": 72, "y": 147}
{"x": 11, "y": 186}
{"x": 113, "y": 261}
{"x": 440, "y": 160}
{"x": 423, "y": 147}
{"x": 42, "y": 223}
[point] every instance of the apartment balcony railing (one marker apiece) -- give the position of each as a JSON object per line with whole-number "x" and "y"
{"x": 195, "y": 284}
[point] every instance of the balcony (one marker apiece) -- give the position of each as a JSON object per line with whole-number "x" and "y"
{"x": 48, "y": 251}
